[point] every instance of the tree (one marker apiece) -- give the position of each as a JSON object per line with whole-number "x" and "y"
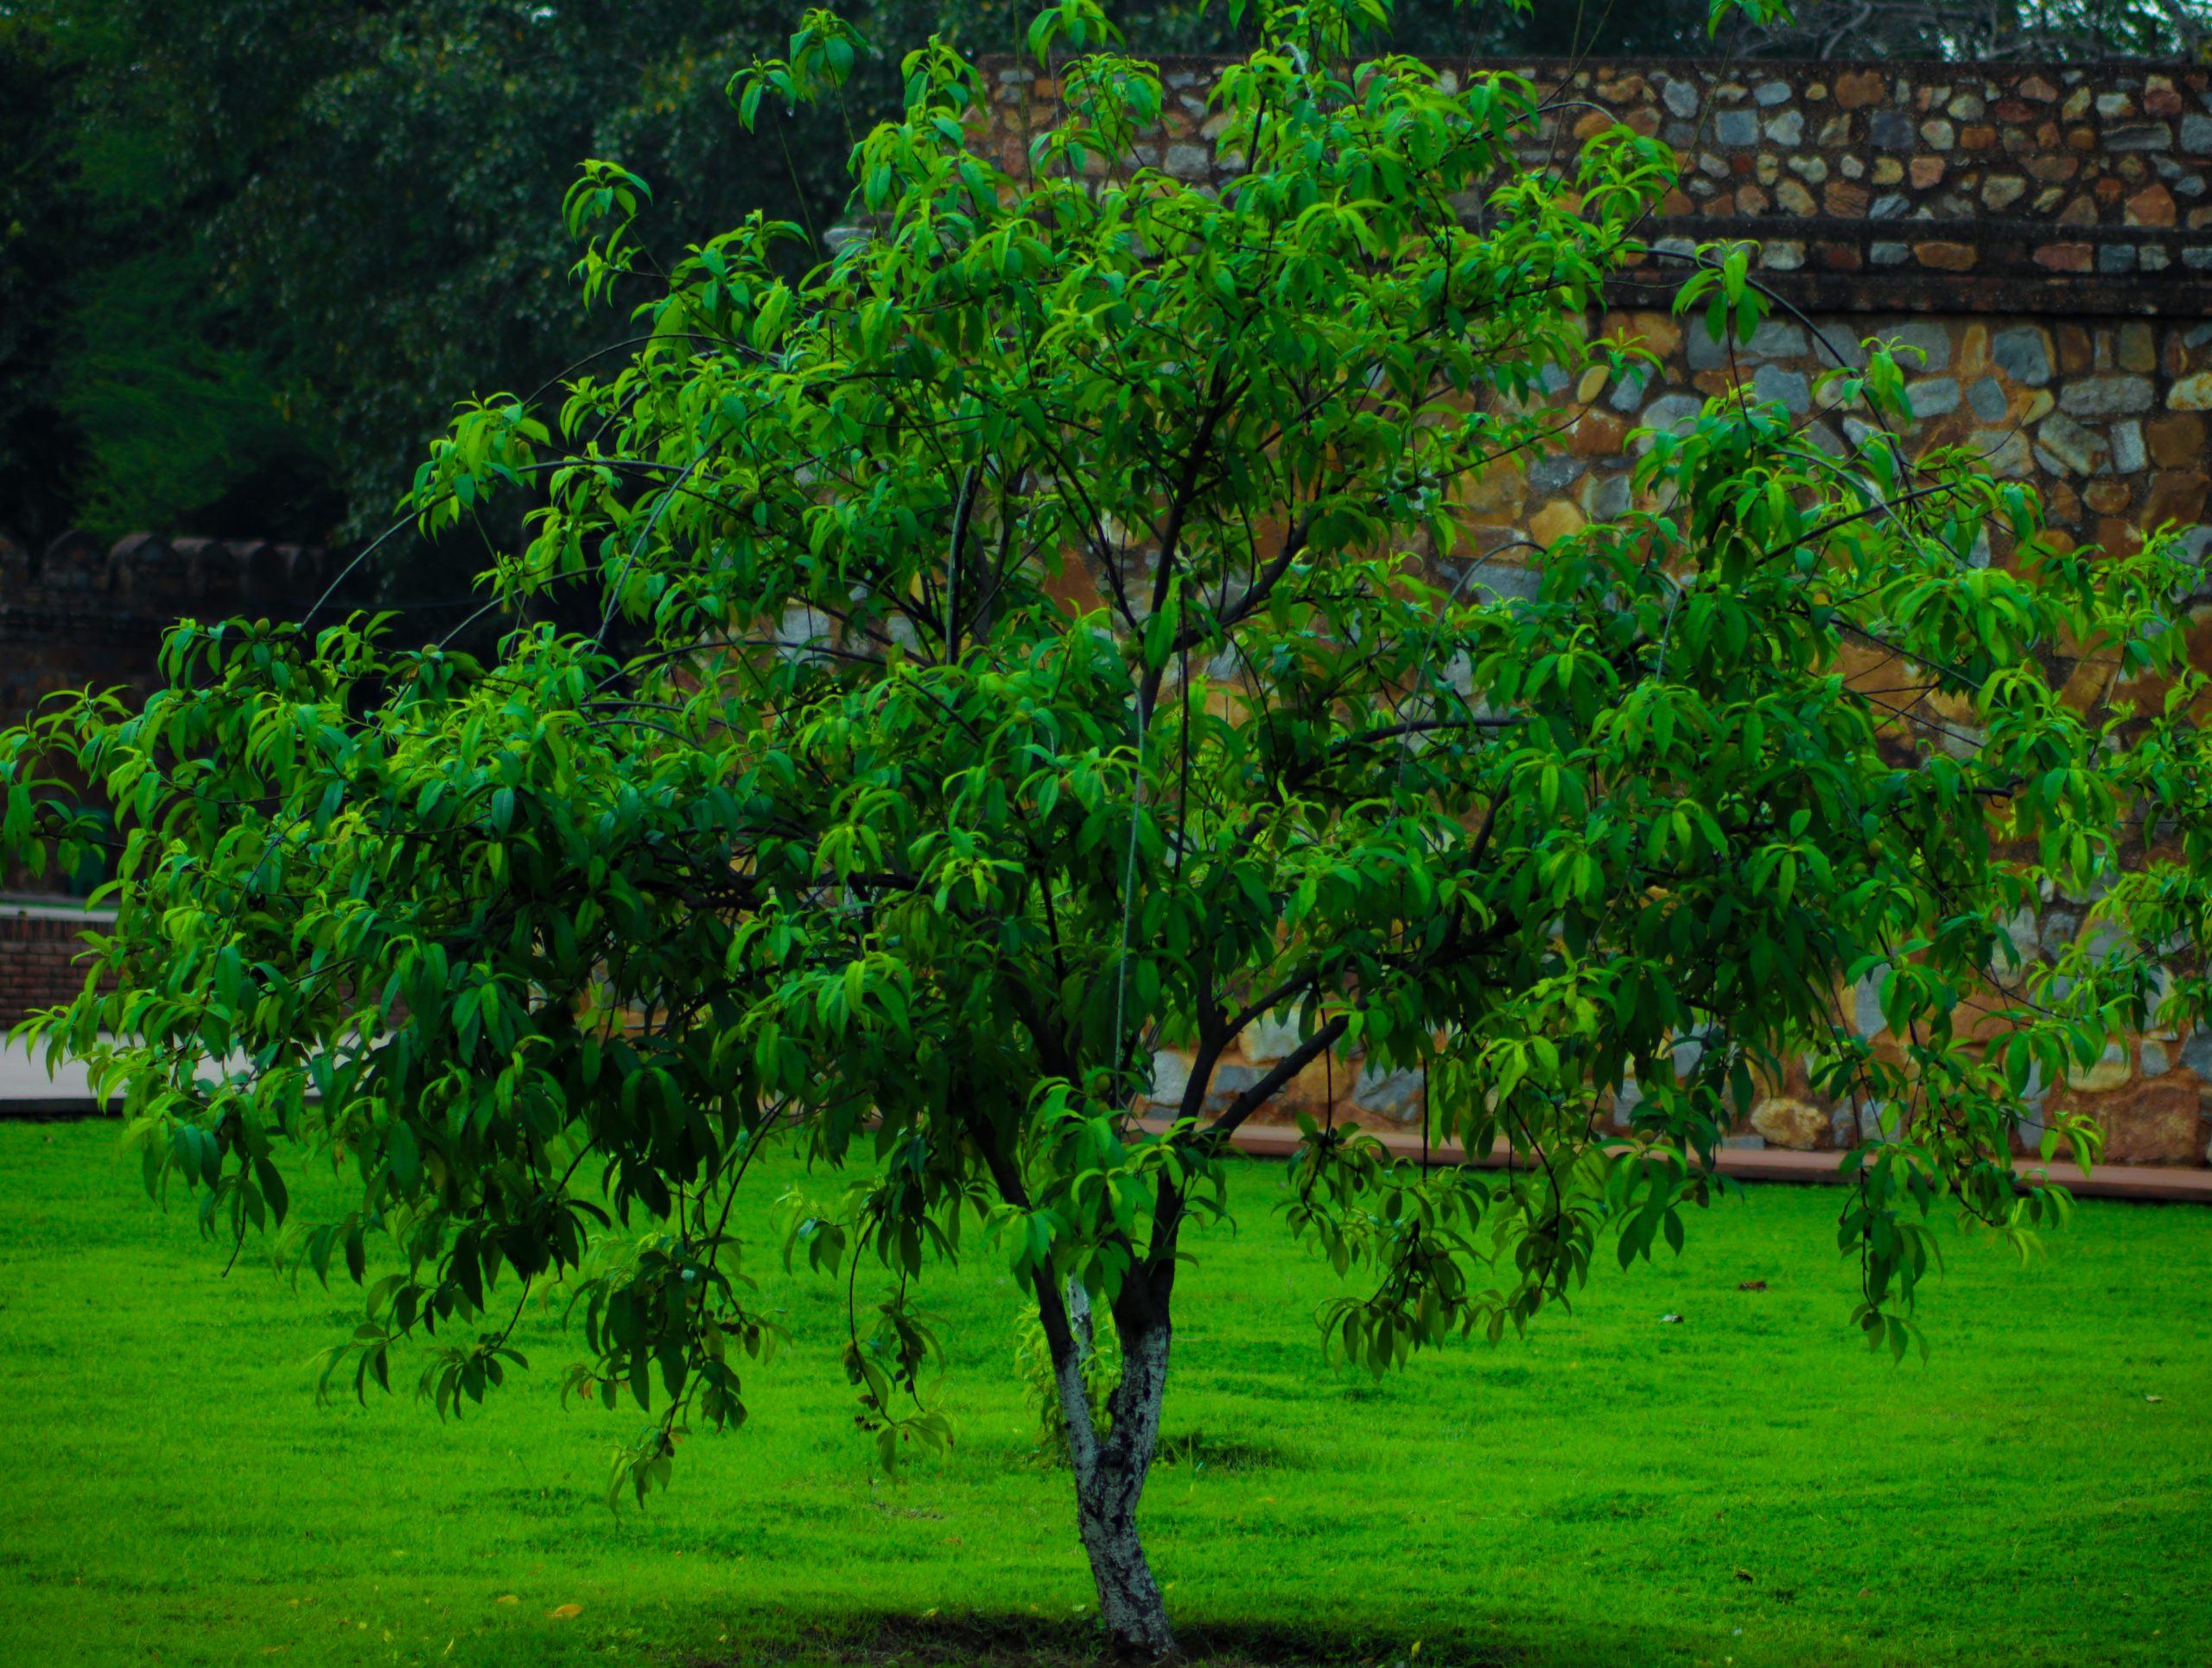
{"x": 1056, "y": 643}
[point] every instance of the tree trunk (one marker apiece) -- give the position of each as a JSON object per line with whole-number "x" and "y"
{"x": 1110, "y": 1478}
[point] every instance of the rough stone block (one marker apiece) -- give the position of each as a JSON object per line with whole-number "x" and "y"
{"x": 2106, "y": 397}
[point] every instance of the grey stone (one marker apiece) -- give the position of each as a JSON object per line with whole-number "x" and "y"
{"x": 2127, "y": 453}
{"x": 1779, "y": 338}
{"x": 1736, "y": 127}
{"x": 2075, "y": 447}
{"x": 2024, "y": 355}
{"x": 1878, "y": 1121}
{"x": 2155, "y": 256}
{"x": 2059, "y": 926}
{"x": 2139, "y": 136}
{"x": 1749, "y": 1142}
{"x": 1681, "y": 97}
{"x": 2197, "y": 1052}
{"x": 1555, "y": 475}
{"x": 2198, "y": 256}
{"x": 1389, "y": 1093}
{"x": 1501, "y": 581}
{"x": 1189, "y": 161}
{"x": 1171, "y": 1076}
{"x": 1668, "y": 412}
{"x": 1931, "y": 344}
{"x": 1866, "y": 1002}
{"x": 1775, "y": 339}
{"x": 2196, "y": 135}
{"x": 1888, "y": 254}
{"x": 1679, "y": 135}
{"x": 1605, "y": 497}
{"x": 1686, "y": 1054}
{"x": 1826, "y": 438}
{"x": 1986, "y": 397}
{"x": 2003, "y": 451}
{"x": 1790, "y": 387}
{"x": 1626, "y": 1099}
{"x": 1786, "y": 128}
{"x": 2116, "y": 257}
{"x": 1769, "y": 94}
{"x": 2106, "y": 397}
{"x": 1934, "y": 396}
{"x": 1555, "y": 379}
{"x": 1890, "y": 130}
{"x": 2155, "y": 1063}
{"x": 1628, "y": 391}
{"x": 1890, "y": 206}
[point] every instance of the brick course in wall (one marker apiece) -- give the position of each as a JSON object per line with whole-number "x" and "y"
{"x": 39, "y": 964}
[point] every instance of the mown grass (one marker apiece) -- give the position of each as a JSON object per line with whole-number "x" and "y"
{"x": 1746, "y": 1488}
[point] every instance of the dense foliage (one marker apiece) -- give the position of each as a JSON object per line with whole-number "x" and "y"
{"x": 1057, "y": 643}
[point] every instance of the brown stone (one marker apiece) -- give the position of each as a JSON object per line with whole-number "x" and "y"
{"x": 1752, "y": 200}
{"x": 2065, "y": 257}
{"x": 2062, "y": 502}
{"x": 1555, "y": 521}
{"x": 2012, "y": 110}
{"x": 1838, "y": 256}
{"x": 2151, "y": 1124}
{"x": 1979, "y": 136}
{"x": 2106, "y": 497}
{"x": 1597, "y": 434}
{"x": 1677, "y": 203}
{"x": 1946, "y": 256}
{"x": 1786, "y": 1122}
{"x": 2074, "y": 354}
{"x": 2109, "y": 190}
{"x": 1658, "y": 332}
{"x": 2052, "y": 166}
{"x": 2161, "y": 101}
{"x": 1493, "y": 495}
{"x": 2081, "y": 138}
{"x": 2176, "y": 495}
{"x": 2139, "y": 346}
{"x": 2119, "y": 538}
{"x": 1844, "y": 200}
{"x": 1926, "y": 171}
{"x": 2176, "y": 442}
{"x": 1858, "y": 87}
{"x": 2036, "y": 88}
{"x": 2152, "y": 206}
{"x": 2086, "y": 687}
{"x": 2082, "y": 211}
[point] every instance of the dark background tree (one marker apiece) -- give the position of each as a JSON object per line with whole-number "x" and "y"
{"x": 251, "y": 252}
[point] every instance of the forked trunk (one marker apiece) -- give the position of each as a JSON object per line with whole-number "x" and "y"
{"x": 1110, "y": 1478}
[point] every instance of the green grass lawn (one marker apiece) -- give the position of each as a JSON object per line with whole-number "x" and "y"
{"x": 1749, "y": 1486}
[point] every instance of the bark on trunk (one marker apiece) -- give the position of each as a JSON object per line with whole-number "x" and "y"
{"x": 1109, "y": 1479}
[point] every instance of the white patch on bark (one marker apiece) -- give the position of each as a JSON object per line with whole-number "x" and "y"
{"x": 1109, "y": 1479}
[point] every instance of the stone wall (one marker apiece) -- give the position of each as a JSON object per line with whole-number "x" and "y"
{"x": 2039, "y": 237}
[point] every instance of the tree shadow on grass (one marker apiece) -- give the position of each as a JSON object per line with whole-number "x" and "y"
{"x": 980, "y": 1641}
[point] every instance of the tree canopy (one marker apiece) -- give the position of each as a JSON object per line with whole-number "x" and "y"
{"x": 1054, "y": 639}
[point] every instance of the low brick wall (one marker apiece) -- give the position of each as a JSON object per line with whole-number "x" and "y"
{"x": 41, "y": 948}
